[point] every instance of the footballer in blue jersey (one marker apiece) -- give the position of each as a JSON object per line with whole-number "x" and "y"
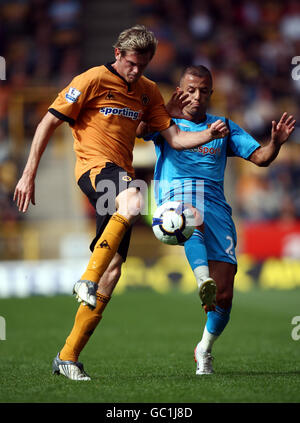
{"x": 196, "y": 176}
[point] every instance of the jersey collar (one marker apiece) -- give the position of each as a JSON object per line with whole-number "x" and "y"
{"x": 204, "y": 120}
{"x": 113, "y": 70}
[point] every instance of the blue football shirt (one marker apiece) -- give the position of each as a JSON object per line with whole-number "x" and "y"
{"x": 196, "y": 174}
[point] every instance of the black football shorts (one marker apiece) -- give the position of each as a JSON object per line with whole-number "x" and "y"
{"x": 111, "y": 180}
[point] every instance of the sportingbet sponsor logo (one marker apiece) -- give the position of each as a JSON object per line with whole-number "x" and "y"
{"x": 72, "y": 95}
{"x": 206, "y": 150}
{"x": 115, "y": 111}
{"x": 2, "y": 329}
{"x": 2, "y": 69}
{"x": 296, "y": 330}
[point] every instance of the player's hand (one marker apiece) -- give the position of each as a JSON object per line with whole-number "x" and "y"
{"x": 176, "y": 104}
{"x": 24, "y": 193}
{"x": 218, "y": 129}
{"x": 283, "y": 129}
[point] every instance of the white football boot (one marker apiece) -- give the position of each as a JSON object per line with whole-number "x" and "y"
{"x": 85, "y": 292}
{"x": 204, "y": 361}
{"x": 71, "y": 369}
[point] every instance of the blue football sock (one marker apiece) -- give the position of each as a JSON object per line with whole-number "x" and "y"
{"x": 195, "y": 250}
{"x": 217, "y": 320}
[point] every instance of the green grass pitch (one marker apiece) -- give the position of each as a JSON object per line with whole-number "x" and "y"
{"x": 142, "y": 351}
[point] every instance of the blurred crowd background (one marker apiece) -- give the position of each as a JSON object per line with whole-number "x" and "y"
{"x": 248, "y": 46}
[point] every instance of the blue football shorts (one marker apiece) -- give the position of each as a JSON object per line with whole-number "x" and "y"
{"x": 219, "y": 233}
{"x": 219, "y": 230}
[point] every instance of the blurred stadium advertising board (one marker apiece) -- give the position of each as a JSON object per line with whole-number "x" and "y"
{"x": 51, "y": 277}
{"x": 280, "y": 238}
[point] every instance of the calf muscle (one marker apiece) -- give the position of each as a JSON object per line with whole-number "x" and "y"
{"x": 223, "y": 274}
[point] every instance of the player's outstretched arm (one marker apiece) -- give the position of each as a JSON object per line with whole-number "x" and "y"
{"x": 182, "y": 140}
{"x": 280, "y": 133}
{"x": 24, "y": 191}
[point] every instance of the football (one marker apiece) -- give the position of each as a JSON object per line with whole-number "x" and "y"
{"x": 173, "y": 223}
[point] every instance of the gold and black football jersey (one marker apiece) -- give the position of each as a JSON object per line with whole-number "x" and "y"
{"x": 104, "y": 111}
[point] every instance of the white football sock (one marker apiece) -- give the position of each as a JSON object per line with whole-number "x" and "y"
{"x": 201, "y": 274}
{"x": 207, "y": 341}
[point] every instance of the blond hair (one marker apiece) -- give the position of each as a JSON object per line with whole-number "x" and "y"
{"x": 138, "y": 39}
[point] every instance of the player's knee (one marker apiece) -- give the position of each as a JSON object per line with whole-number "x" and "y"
{"x": 224, "y": 298}
{"x": 130, "y": 203}
{"x": 198, "y": 219}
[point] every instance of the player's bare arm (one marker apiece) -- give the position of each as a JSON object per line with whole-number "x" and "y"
{"x": 24, "y": 191}
{"x": 143, "y": 129}
{"x": 280, "y": 133}
{"x": 182, "y": 140}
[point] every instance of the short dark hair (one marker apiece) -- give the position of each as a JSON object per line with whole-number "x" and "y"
{"x": 199, "y": 70}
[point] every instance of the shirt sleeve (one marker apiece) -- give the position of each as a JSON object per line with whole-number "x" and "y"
{"x": 154, "y": 136}
{"x": 72, "y": 99}
{"x": 240, "y": 143}
{"x": 157, "y": 116}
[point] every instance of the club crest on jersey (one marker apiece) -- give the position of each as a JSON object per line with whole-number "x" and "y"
{"x": 116, "y": 111}
{"x": 109, "y": 96}
{"x": 145, "y": 99}
{"x": 72, "y": 95}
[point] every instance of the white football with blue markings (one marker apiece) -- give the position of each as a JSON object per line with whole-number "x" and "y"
{"x": 173, "y": 223}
